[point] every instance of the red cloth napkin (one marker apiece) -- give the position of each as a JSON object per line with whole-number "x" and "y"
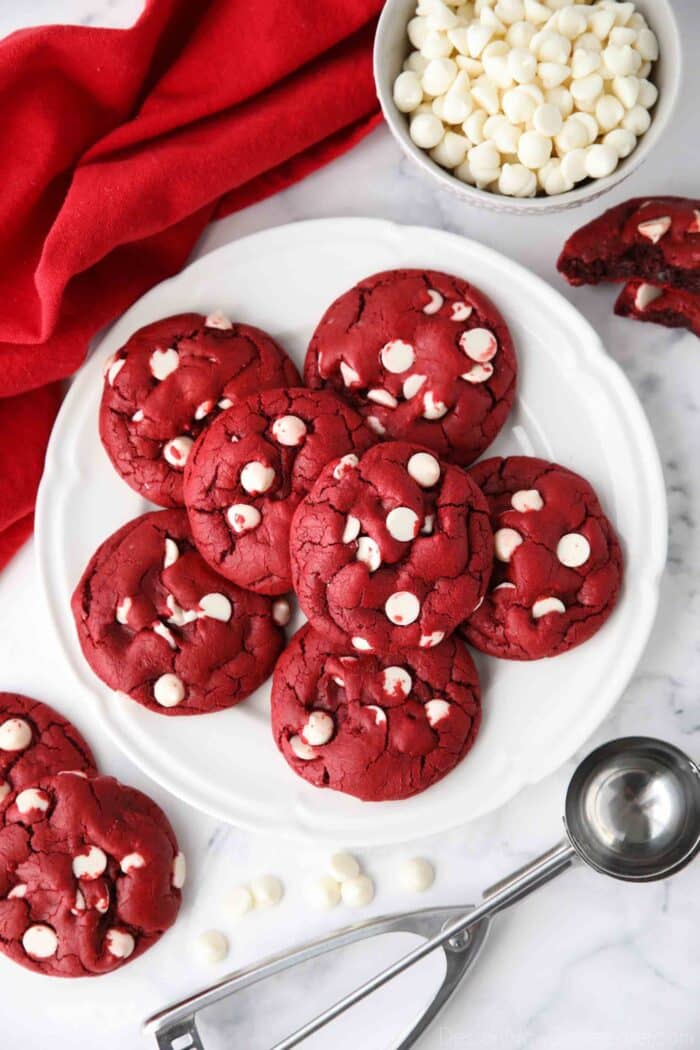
{"x": 120, "y": 145}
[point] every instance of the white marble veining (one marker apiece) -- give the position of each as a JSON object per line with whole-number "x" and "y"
{"x": 585, "y": 964}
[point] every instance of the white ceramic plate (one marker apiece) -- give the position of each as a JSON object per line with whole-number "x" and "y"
{"x": 574, "y": 406}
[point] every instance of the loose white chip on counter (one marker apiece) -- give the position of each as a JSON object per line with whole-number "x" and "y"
{"x": 547, "y": 605}
{"x": 573, "y": 550}
{"x": 424, "y": 469}
{"x": 342, "y": 866}
{"x": 177, "y": 450}
{"x": 239, "y": 901}
{"x": 505, "y": 542}
{"x": 257, "y": 477}
{"x": 289, "y": 430}
{"x": 40, "y": 941}
{"x": 357, "y": 892}
{"x": 416, "y": 875}
{"x": 281, "y": 612}
{"x": 15, "y": 735}
{"x": 267, "y": 891}
{"x": 402, "y": 524}
{"x": 168, "y": 690}
{"x": 163, "y": 363}
{"x": 318, "y": 729}
{"x": 242, "y": 517}
{"x": 323, "y": 893}
{"x": 211, "y": 946}
{"x": 216, "y": 607}
{"x": 402, "y": 608}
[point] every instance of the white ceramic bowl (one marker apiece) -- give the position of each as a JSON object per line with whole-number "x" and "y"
{"x": 391, "y": 46}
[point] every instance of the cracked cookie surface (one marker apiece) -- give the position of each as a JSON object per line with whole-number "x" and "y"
{"x": 557, "y": 566}
{"x": 90, "y": 875}
{"x": 157, "y": 623}
{"x": 391, "y": 550}
{"x": 654, "y": 239}
{"x": 378, "y": 728}
{"x": 36, "y": 741}
{"x": 169, "y": 381}
{"x": 423, "y": 356}
{"x": 249, "y": 471}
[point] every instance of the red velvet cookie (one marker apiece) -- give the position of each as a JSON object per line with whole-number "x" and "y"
{"x": 558, "y": 564}
{"x": 671, "y": 307}
{"x": 35, "y": 741}
{"x": 90, "y": 875}
{"x": 423, "y": 356}
{"x": 375, "y": 727}
{"x": 655, "y": 239}
{"x": 390, "y": 552}
{"x": 155, "y": 622}
{"x": 250, "y": 470}
{"x": 168, "y": 382}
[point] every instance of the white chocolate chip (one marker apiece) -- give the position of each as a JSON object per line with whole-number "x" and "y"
{"x": 436, "y": 710}
{"x": 382, "y": 397}
{"x": 323, "y": 894}
{"x": 428, "y": 525}
{"x": 573, "y": 550}
{"x": 368, "y": 553}
{"x": 300, "y": 749}
{"x": 397, "y": 356}
{"x": 408, "y": 91}
{"x": 289, "y": 430}
{"x": 257, "y": 478}
{"x": 352, "y": 529}
{"x": 361, "y": 644}
{"x": 242, "y": 517}
{"x": 5, "y": 790}
{"x": 32, "y": 799}
{"x": 40, "y": 941}
{"x": 91, "y": 864}
{"x": 601, "y": 160}
{"x": 350, "y": 376}
{"x": 478, "y": 373}
{"x": 376, "y": 425}
{"x": 203, "y": 410}
{"x": 479, "y": 344}
{"x": 429, "y": 641}
{"x": 432, "y": 408}
{"x": 402, "y": 524}
{"x": 436, "y": 301}
{"x": 318, "y": 729}
{"x": 123, "y": 609}
{"x": 165, "y": 633}
{"x": 654, "y": 229}
{"x": 179, "y": 616}
{"x": 525, "y": 500}
{"x": 18, "y": 891}
{"x": 357, "y": 892}
{"x": 168, "y": 690}
{"x": 178, "y": 872}
{"x": 131, "y": 862}
{"x": 416, "y": 875}
{"x": 218, "y": 320}
{"x": 396, "y": 682}
{"x": 15, "y": 735}
{"x": 225, "y": 403}
{"x": 172, "y": 553}
{"x": 402, "y": 608}
{"x": 267, "y": 891}
{"x": 646, "y": 294}
{"x": 345, "y": 464}
{"x": 460, "y": 312}
{"x": 378, "y": 712}
{"x": 138, "y": 416}
{"x": 281, "y": 612}
{"x": 163, "y": 363}
{"x": 426, "y": 130}
{"x": 114, "y": 370}
{"x": 239, "y": 902}
{"x": 505, "y": 541}
{"x": 547, "y": 605}
{"x": 424, "y": 469}
{"x": 211, "y": 947}
{"x": 102, "y": 905}
{"x": 79, "y": 904}
{"x": 177, "y": 450}
{"x": 412, "y": 384}
{"x": 343, "y": 866}
{"x": 216, "y": 606}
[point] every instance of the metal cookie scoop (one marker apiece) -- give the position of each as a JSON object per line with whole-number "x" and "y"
{"x": 632, "y": 811}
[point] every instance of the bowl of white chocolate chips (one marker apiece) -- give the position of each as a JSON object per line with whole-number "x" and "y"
{"x": 527, "y": 105}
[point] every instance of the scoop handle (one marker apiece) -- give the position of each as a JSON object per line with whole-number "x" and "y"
{"x": 514, "y": 888}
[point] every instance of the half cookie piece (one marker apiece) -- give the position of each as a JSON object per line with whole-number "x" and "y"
{"x": 35, "y": 742}
{"x": 157, "y": 623}
{"x": 90, "y": 875}
{"x": 391, "y": 551}
{"x": 249, "y": 471}
{"x": 558, "y": 563}
{"x": 375, "y": 727}
{"x": 168, "y": 382}
{"x": 423, "y": 356}
{"x": 671, "y": 307}
{"x": 653, "y": 239}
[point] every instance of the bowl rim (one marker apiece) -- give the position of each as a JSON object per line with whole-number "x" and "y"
{"x": 588, "y": 191}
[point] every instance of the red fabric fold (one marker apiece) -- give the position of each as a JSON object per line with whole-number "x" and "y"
{"x": 119, "y": 147}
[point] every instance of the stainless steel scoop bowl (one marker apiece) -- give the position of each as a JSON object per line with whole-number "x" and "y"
{"x": 632, "y": 811}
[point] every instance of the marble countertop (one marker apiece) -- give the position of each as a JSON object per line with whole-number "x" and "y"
{"x": 585, "y": 964}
